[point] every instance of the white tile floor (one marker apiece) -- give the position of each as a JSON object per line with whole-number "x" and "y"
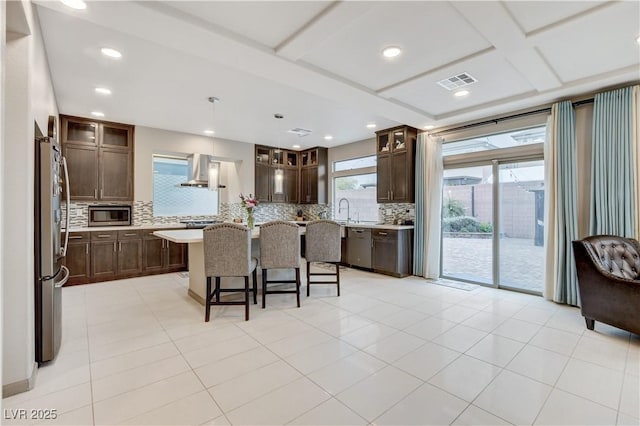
{"x": 388, "y": 351}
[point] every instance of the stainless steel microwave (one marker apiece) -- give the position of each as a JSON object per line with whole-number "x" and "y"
{"x": 109, "y": 215}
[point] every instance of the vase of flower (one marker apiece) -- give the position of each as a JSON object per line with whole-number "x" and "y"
{"x": 250, "y": 219}
{"x": 249, "y": 203}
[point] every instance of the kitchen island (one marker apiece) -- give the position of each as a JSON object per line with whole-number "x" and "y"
{"x": 197, "y": 278}
{"x": 392, "y": 258}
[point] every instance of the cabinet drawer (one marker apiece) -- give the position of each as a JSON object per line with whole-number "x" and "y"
{"x": 129, "y": 235}
{"x": 384, "y": 234}
{"x": 104, "y": 235}
{"x": 78, "y": 237}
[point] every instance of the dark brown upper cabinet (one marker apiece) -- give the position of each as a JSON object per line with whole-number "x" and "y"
{"x": 396, "y": 149}
{"x": 276, "y": 175}
{"x": 314, "y": 176}
{"x": 99, "y": 157}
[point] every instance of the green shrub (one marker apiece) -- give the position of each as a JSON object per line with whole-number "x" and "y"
{"x": 465, "y": 224}
{"x": 452, "y": 208}
{"x": 485, "y": 227}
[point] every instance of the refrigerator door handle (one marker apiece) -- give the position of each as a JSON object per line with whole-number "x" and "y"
{"x": 68, "y": 196}
{"x": 65, "y": 279}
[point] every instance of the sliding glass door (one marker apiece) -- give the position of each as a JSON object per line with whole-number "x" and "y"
{"x": 493, "y": 211}
{"x": 521, "y": 238}
{"x": 467, "y": 224}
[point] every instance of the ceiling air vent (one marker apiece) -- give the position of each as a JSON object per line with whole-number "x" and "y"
{"x": 457, "y": 81}
{"x": 300, "y": 132}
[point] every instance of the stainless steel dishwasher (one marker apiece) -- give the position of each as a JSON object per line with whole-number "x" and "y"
{"x": 359, "y": 247}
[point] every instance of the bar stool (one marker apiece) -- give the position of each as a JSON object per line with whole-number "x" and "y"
{"x": 280, "y": 249}
{"x": 227, "y": 253}
{"x": 322, "y": 244}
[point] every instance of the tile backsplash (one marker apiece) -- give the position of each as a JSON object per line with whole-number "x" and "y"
{"x": 390, "y": 213}
{"x": 143, "y": 213}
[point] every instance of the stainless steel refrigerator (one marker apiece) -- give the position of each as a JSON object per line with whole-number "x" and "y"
{"x": 50, "y": 249}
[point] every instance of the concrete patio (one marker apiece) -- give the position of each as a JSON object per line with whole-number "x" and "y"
{"x": 521, "y": 266}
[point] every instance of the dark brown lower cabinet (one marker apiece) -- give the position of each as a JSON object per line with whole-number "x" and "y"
{"x": 129, "y": 256}
{"x": 176, "y": 255}
{"x": 104, "y": 259}
{"x": 392, "y": 251}
{"x": 78, "y": 262}
{"x": 161, "y": 255}
{"x": 107, "y": 255}
{"x": 153, "y": 259}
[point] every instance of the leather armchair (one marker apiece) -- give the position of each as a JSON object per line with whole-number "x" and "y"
{"x": 609, "y": 281}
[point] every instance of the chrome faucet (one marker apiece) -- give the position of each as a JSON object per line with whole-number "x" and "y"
{"x": 340, "y": 207}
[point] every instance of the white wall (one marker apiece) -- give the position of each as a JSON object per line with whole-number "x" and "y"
{"x": 237, "y": 168}
{"x": 2, "y": 205}
{"x": 29, "y": 96}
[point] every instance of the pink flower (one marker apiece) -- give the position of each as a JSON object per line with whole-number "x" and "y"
{"x": 248, "y": 202}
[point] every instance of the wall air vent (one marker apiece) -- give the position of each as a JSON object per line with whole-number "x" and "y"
{"x": 300, "y": 132}
{"x": 457, "y": 81}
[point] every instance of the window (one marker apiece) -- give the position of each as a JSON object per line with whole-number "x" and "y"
{"x": 171, "y": 199}
{"x": 355, "y": 163}
{"x": 497, "y": 141}
{"x": 355, "y": 180}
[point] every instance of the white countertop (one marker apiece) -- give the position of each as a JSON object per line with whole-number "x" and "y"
{"x": 128, "y": 228}
{"x": 195, "y": 235}
{"x": 179, "y": 226}
{"x": 378, "y": 226}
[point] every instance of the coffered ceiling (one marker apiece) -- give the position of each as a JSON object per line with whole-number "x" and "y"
{"x": 320, "y": 65}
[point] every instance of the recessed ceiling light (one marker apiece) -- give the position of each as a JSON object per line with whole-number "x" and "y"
{"x": 209, "y": 132}
{"x": 429, "y": 127}
{"x": 328, "y": 138}
{"x": 103, "y": 90}
{"x": 295, "y": 146}
{"x": 461, "y": 93}
{"x": 97, "y": 113}
{"x": 112, "y": 53}
{"x": 391, "y": 51}
{"x": 638, "y": 39}
{"x": 75, "y": 4}
{"x": 371, "y": 126}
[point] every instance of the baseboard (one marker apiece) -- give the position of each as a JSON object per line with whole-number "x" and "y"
{"x": 21, "y": 385}
{"x": 195, "y": 296}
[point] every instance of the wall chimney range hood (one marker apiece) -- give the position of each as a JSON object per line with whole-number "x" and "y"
{"x": 202, "y": 171}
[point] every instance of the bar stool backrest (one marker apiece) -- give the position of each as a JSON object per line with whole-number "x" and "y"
{"x": 279, "y": 245}
{"x": 227, "y": 250}
{"x": 323, "y": 241}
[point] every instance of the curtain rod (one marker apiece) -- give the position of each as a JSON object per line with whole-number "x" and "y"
{"x": 509, "y": 117}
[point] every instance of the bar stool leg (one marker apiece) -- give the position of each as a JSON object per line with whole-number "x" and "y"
{"x": 338, "y": 277}
{"x": 298, "y": 286}
{"x": 217, "y": 291}
{"x": 207, "y": 301}
{"x": 254, "y": 277}
{"x": 264, "y": 287}
{"x": 246, "y": 298}
{"x": 308, "y": 277}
